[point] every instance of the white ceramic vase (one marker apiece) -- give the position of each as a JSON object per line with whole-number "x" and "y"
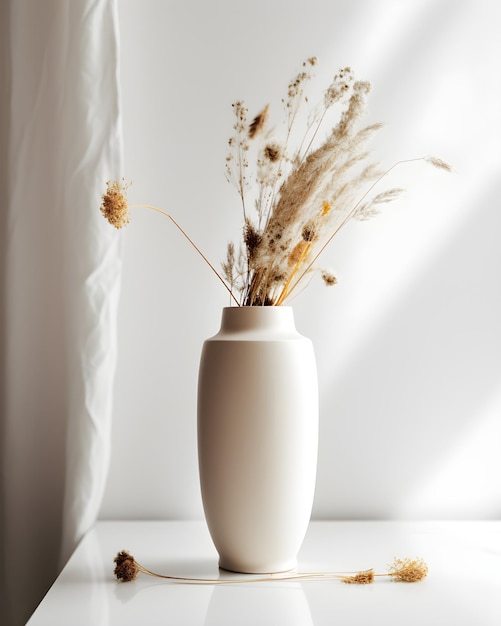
{"x": 257, "y": 438}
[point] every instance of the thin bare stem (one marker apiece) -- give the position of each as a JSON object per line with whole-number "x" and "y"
{"x": 312, "y": 139}
{"x": 243, "y": 581}
{"x": 188, "y": 238}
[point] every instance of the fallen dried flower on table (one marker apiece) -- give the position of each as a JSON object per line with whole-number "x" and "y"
{"x": 401, "y": 570}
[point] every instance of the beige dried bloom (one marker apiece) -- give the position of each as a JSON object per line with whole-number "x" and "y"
{"x": 366, "y": 577}
{"x": 408, "y": 570}
{"x": 369, "y": 209}
{"x": 114, "y": 205}
{"x": 228, "y": 266}
{"x": 238, "y": 146}
{"x": 355, "y": 110}
{"x": 268, "y": 176}
{"x": 295, "y": 92}
{"x": 339, "y": 87}
{"x": 442, "y": 165}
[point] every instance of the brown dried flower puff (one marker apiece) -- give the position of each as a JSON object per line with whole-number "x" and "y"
{"x": 114, "y": 206}
{"x": 126, "y": 568}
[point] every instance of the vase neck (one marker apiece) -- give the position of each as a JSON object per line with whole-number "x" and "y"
{"x": 262, "y": 318}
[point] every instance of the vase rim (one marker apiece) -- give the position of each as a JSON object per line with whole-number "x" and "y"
{"x": 263, "y": 307}
{"x": 252, "y": 319}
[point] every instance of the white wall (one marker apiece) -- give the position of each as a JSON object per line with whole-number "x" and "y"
{"x": 408, "y": 344}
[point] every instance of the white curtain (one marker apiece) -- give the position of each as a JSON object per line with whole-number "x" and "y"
{"x": 60, "y": 269}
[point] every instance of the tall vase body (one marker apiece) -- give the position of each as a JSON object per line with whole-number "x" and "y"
{"x": 257, "y": 438}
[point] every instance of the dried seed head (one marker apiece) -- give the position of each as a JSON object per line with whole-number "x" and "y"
{"x": 408, "y": 570}
{"x": 339, "y": 87}
{"x": 126, "y": 568}
{"x": 438, "y": 163}
{"x": 362, "y": 578}
{"x": 252, "y": 239}
{"x": 308, "y": 233}
{"x": 272, "y": 152}
{"x": 240, "y": 112}
{"x": 258, "y": 123}
{"x": 114, "y": 206}
{"x": 356, "y": 108}
{"x": 228, "y": 266}
{"x": 328, "y": 278}
{"x": 387, "y": 196}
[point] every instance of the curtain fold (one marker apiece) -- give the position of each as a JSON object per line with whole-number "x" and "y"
{"x": 61, "y": 267}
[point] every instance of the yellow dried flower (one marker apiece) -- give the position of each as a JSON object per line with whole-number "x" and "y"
{"x": 326, "y": 207}
{"x": 115, "y": 207}
{"x": 298, "y": 252}
{"x": 408, "y": 570}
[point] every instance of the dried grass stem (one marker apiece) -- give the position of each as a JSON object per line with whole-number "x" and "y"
{"x": 189, "y": 239}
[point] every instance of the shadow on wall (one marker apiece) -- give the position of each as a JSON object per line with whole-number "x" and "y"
{"x": 418, "y": 384}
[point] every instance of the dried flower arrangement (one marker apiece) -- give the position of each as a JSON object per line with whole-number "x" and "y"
{"x": 401, "y": 570}
{"x": 295, "y": 200}
{"x": 294, "y": 203}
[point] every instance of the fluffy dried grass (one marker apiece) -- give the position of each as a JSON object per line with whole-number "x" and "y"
{"x": 292, "y": 186}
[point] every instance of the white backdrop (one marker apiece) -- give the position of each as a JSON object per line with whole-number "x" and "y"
{"x": 408, "y": 344}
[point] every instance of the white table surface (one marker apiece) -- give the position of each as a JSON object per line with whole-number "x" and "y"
{"x": 463, "y": 586}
